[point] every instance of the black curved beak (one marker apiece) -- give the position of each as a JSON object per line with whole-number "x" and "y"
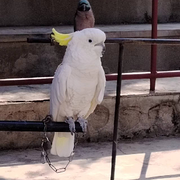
{"x": 103, "y": 47}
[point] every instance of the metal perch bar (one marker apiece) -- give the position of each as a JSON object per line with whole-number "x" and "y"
{"x": 39, "y": 40}
{"x": 147, "y": 41}
{"x": 37, "y": 126}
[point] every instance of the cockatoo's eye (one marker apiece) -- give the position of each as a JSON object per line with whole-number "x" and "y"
{"x": 90, "y": 40}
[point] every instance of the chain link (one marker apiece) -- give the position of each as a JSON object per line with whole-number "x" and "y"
{"x": 46, "y": 146}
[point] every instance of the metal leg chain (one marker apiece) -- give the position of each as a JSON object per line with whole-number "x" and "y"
{"x": 46, "y": 146}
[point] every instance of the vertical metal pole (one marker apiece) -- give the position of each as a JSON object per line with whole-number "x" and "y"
{"x": 154, "y": 47}
{"x": 116, "y": 114}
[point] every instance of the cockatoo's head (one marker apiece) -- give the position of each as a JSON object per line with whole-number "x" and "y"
{"x": 90, "y": 40}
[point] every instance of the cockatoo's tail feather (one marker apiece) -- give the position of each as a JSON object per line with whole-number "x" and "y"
{"x": 63, "y": 144}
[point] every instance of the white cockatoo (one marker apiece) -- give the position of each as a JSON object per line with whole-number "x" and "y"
{"x": 78, "y": 85}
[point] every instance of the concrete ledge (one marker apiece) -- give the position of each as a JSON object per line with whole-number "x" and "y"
{"x": 141, "y": 114}
{"x": 20, "y": 34}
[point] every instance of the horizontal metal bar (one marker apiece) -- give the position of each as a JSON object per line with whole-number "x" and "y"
{"x": 118, "y": 40}
{"x": 30, "y": 81}
{"x": 25, "y": 81}
{"x": 109, "y": 77}
{"x": 39, "y": 40}
{"x": 144, "y": 41}
{"x": 108, "y": 40}
{"x": 166, "y": 74}
{"x": 144, "y": 75}
{"x": 37, "y": 126}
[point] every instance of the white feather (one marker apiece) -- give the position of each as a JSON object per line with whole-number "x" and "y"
{"x": 78, "y": 84}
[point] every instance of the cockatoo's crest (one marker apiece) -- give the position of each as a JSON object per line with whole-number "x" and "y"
{"x": 62, "y": 39}
{"x": 87, "y": 39}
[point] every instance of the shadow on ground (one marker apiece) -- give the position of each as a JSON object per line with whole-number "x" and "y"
{"x": 136, "y": 160}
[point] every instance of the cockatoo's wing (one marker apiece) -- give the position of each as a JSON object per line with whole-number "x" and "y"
{"x": 99, "y": 93}
{"x": 58, "y": 89}
{"x": 101, "y": 85}
{"x": 63, "y": 143}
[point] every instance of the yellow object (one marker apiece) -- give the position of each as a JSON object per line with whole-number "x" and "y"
{"x": 61, "y": 141}
{"x": 62, "y": 39}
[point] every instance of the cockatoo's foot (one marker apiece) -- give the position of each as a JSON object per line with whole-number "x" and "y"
{"x": 71, "y": 123}
{"x": 83, "y": 124}
{"x": 48, "y": 118}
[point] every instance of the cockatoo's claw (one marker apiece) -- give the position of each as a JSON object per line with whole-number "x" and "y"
{"x": 83, "y": 124}
{"x": 48, "y": 118}
{"x": 71, "y": 123}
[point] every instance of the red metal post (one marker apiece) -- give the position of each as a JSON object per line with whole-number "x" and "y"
{"x": 154, "y": 47}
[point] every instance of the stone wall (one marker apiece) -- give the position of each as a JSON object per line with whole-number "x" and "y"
{"x": 140, "y": 116}
{"x": 40, "y": 60}
{"x": 61, "y": 12}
